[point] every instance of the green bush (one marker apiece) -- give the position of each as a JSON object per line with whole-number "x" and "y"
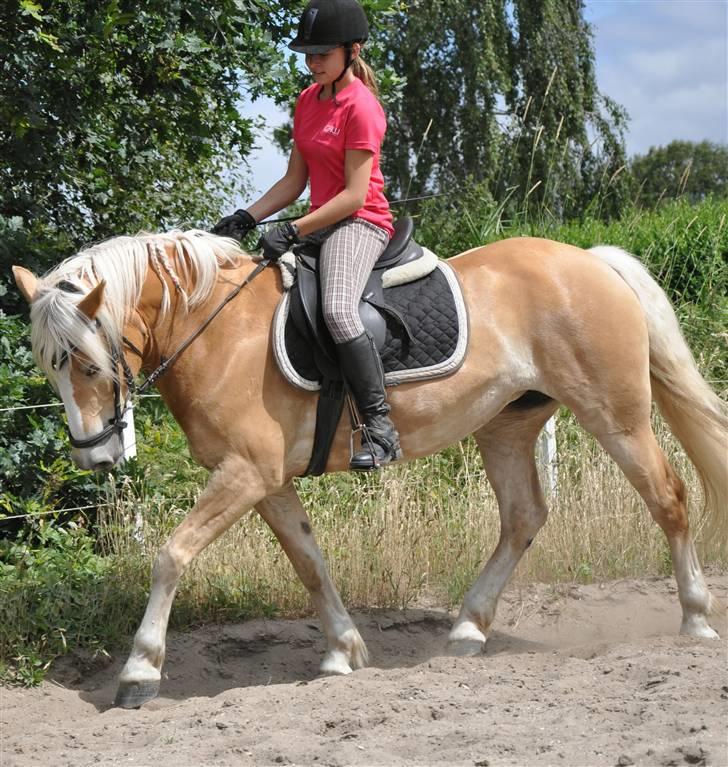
{"x": 34, "y": 246}
{"x": 49, "y": 597}
{"x": 36, "y": 473}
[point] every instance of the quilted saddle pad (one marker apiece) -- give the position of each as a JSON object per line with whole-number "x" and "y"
{"x": 435, "y": 312}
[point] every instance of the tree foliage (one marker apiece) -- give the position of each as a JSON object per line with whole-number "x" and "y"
{"x": 116, "y": 116}
{"x": 695, "y": 170}
{"x": 501, "y": 92}
{"x": 453, "y": 60}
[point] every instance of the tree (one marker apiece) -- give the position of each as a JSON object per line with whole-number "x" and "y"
{"x": 568, "y": 147}
{"x": 695, "y": 170}
{"x": 501, "y": 92}
{"x": 117, "y": 115}
{"x": 453, "y": 59}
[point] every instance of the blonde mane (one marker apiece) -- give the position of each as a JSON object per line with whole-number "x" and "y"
{"x": 59, "y": 327}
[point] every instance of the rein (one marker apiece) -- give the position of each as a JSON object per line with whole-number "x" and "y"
{"x": 167, "y": 362}
{"x": 116, "y": 424}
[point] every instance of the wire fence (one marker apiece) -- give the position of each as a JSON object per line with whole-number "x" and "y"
{"x": 547, "y": 454}
{"x": 44, "y": 405}
{"x": 52, "y": 511}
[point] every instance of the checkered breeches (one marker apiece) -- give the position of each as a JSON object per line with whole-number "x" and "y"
{"x": 347, "y": 258}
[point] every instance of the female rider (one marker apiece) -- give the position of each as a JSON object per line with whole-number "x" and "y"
{"x": 338, "y": 127}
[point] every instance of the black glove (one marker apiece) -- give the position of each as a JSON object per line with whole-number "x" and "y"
{"x": 236, "y": 226}
{"x": 278, "y": 240}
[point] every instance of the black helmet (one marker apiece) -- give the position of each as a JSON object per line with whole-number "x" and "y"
{"x": 326, "y": 24}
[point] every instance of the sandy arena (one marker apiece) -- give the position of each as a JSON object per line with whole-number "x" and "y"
{"x": 573, "y": 675}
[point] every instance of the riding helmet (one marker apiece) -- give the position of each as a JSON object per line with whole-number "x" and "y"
{"x": 326, "y": 24}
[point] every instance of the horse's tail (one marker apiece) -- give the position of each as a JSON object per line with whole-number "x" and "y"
{"x": 696, "y": 415}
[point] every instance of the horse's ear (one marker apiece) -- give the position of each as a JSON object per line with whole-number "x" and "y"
{"x": 27, "y": 283}
{"x": 91, "y": 303}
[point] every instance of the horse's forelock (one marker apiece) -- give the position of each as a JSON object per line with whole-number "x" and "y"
{"x": 59, "y": 328}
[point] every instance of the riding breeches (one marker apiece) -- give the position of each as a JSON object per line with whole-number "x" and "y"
{"x": 347, "y": 258}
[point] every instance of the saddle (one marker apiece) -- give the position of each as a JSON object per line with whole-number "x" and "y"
{"x": 305, "y": 299}
{"x": 420, "y": 328}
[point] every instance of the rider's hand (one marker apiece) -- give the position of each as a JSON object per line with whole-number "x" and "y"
{"x": 278, "y": 240}
{"x": 235, "y": 226}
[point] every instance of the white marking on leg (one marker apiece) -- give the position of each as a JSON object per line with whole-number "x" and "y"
{"x": 693, "y": 592}
{"x": 230, "y": 492}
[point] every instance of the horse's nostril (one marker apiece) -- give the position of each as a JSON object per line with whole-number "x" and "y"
{"x": 103, "y": 465}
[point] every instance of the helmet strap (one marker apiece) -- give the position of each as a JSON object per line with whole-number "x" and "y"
{"x": 348, "y": 61}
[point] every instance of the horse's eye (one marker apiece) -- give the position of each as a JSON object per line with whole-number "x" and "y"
{"x": 91, "y": 371}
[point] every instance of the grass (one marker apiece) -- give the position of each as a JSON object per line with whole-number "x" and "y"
{"x": 421, "y": 530}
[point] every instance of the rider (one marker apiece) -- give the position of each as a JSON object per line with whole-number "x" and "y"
{"x": 338, "y": 127}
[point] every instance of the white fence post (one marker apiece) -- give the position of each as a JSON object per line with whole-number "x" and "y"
{"x": 128, "y": 435}
{"x": 546, "y": 456}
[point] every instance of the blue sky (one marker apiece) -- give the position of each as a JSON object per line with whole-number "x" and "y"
{"x": 665, "y": 61}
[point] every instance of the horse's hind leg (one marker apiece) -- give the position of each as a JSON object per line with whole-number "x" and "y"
{"x": 507, "y": 445}
{"x": 645, "y": 466}
{"x": 288, "y": 519}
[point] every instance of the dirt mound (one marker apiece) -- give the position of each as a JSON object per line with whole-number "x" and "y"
{"x": 577, "y": 675}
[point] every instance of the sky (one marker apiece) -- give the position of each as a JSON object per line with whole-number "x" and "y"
{"x": 665, "y": 61}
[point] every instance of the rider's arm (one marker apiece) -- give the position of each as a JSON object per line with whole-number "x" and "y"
{"x": 357, "y": 172}
{"x": 285, "y": 191}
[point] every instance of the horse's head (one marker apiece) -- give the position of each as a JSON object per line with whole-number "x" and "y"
{"x": 72, "y": 345}
{"x": 87, "y": 310}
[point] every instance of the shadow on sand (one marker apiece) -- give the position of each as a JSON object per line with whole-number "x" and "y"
{"x": 210, "y": 660}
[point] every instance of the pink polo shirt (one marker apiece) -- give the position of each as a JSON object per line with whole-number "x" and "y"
{"x": 323, "y": 131}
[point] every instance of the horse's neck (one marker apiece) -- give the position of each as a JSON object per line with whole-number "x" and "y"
{"x": 246, "y": 319}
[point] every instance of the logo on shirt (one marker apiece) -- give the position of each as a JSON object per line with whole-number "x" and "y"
{"x": 332, "y": 129}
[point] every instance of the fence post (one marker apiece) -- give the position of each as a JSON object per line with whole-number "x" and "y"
{"x": 546, "y": 455}
{"x": 128, "y": 435}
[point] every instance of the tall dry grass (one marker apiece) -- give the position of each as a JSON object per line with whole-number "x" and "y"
{"x": 420, "y": 531}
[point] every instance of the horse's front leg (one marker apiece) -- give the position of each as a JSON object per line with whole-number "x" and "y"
{"x": 287, "y": 518}
{"x": 234, "y": 488}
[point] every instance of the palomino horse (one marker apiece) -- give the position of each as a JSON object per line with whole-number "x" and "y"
{"x": 590, "y": 330}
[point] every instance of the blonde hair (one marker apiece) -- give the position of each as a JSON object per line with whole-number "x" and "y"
{"x": 365, "y": 73}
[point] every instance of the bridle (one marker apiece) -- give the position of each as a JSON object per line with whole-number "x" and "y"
{"x": 116, "y": 424}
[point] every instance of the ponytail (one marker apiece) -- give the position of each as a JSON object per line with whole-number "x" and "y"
{"x": 365, "y": 73}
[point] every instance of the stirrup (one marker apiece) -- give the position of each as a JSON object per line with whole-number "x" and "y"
{"x": 366, "y": 459}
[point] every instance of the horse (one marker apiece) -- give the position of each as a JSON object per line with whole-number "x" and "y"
{"x": 549, "y": 325}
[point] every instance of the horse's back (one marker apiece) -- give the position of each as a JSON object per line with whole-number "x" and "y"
{"x": 534, "y": 276}
{"x": 570, "y": 315}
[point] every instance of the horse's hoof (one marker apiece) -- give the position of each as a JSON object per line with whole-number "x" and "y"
{"x": 465, "y": 648}
{"x": 136, "y": 694}
{"x": 466, "y": 640}
{"x": 335, "y": 664}
{"x": 698, "y": 629}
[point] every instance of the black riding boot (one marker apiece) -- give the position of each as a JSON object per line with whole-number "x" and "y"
{"x": 364, "y": 375}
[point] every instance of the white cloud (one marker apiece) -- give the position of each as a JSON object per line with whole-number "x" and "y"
{"x": 667, "y": 63}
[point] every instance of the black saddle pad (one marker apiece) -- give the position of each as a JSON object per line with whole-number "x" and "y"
{"x": 434, "y": 310}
